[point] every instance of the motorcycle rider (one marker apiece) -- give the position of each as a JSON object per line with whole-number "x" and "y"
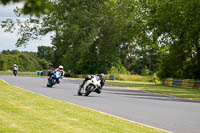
{"x": 15, "y": 69}
{"x": 60, "y": 69}
{"x": 102, "y": 78}
{"x": 99, "y": 77}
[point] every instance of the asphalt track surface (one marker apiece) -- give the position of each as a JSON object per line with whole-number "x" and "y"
{"x": 168, "y": 113}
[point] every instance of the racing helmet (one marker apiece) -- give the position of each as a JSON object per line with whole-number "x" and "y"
{"x": 14, "y": 65}
{"x": 88, "y": 77}
{"x": 60, "y": 67}
{"x": 102, "y": 76}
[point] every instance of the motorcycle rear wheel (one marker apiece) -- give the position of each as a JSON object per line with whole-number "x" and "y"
{"x": 15, "y": 73}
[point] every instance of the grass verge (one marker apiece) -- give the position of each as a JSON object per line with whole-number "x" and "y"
{"x": 192, "y": 94}
{"x": 29, "y": 74}
{"x": 137, "y": 78}
{"x": 25, "y": 112}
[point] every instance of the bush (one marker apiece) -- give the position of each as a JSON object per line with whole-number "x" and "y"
{"x": 145, "y": 71}
{"x": 119, "y": 70}
{"x": 156, "y": 79}
{"x": 44, "y": 63}
{"x": 27, "y": 61}
{"x": 139, "y": 78}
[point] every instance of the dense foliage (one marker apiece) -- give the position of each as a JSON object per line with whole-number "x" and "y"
{"x": 35, "y": 7}
{"x": 129, "y": 36}
{"x": 177, "y": 23}
{"x": 45, "y": 52}
{"x": 26, "y": 61}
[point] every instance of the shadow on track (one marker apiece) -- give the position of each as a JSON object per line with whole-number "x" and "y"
{"x": 145, "y": 95}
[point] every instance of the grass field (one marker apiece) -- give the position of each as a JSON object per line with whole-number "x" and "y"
{"x": 193, "y": 94}
{"x": 138, "y": 78}
{"x": 25, "y": 112}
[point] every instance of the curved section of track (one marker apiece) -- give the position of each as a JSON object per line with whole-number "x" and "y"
{"x": 168, "y": 113}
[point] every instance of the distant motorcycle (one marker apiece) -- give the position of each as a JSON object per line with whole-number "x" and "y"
{"x": 92, "y": 84}
{"x": 54, "y": 78}
{"x": 15, "y": 70}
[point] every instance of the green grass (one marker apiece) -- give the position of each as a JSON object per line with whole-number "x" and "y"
{"x": 25, "y": 112}
{"x": 193, "y": 94}
{"x": 139, "y": 78}
{"x": 30, "y": 74}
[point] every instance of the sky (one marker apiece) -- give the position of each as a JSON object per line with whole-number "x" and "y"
{"x": 8, "y": 40}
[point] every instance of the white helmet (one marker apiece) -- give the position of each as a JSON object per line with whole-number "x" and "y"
{"x": 61, "y": 67}
{"x": 102, "y": 75}
{"x": 15, "y": 65}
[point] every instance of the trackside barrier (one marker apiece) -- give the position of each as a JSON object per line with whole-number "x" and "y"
{"x": 80, "y": 76}
{"x": 186, "y": 83}
{"x": 112, "y": 77}
{"x": 197, "y": 84}
{"x": 169, "y": 81}
{"x": 83, "y": 76}
{"x": 38, "y": 73}
{"x": 43, "y": 73}
{"x": 177, "y": 82}
{"x": 107, "y": 77}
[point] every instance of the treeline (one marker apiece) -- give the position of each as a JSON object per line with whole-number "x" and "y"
{"x": 121, "y": 36}
{"x": 26, "y": 61}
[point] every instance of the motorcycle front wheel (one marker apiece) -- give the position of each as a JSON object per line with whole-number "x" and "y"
{"x": 50, "y": 83}
{"x": 79, "y": 91}
{"x": 88, "y": 90}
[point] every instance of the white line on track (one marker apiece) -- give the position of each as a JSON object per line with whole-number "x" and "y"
{"x": 95, "y": 110}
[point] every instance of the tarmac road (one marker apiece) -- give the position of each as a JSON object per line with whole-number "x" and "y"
{"x": 168, "y": 113}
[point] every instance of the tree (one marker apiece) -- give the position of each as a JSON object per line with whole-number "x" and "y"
{"x": 86, "y": 33}
{"x": 179, "y": 31}
{"x": 36, "y": 7}
{"x": 45, "y": 52}
{"x": 100, "y": 36}
{"x": 27, "y": 61}
{"x": 100, "y": 29}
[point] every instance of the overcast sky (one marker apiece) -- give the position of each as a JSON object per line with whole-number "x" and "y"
{"x": 8, "y": 40}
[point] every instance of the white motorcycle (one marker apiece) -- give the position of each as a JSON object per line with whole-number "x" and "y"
{"x": 92, "y": 84}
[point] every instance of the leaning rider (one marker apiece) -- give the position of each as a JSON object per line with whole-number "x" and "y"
{"x": 99, "y": 76}
{"x": 60, "y": 69}
{"x": 102, "y": 78}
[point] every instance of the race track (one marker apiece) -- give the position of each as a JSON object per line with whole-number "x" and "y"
{"x": 168, "y": 113}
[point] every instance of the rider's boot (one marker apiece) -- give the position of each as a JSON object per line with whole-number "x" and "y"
{"x": 98, "y": 90}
